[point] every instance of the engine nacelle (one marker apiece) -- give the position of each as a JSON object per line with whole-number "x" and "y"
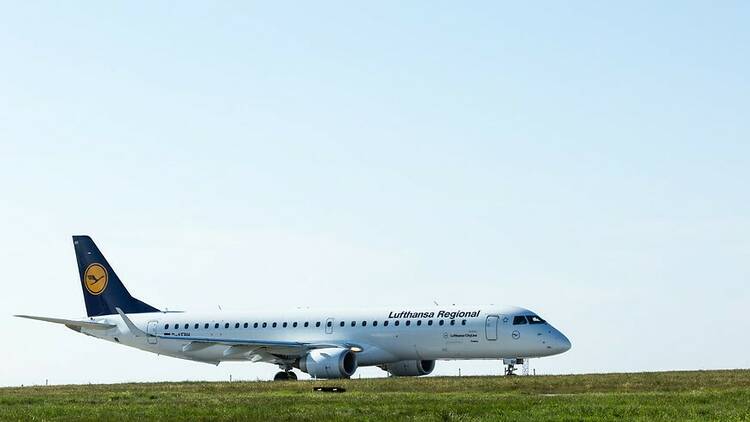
{"x": 334, "y": 362}
{"x": 410, "y": 368}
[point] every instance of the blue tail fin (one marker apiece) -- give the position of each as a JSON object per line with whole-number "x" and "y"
{"x": 102, "y": 289}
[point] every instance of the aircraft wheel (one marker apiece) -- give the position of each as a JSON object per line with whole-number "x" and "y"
{"x": 292, "y": 376}
{"x": 281, "y": 376}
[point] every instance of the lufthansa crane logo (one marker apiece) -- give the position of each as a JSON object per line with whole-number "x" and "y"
{"x": 95, "y": 279}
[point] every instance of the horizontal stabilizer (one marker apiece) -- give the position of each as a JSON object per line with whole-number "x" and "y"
{"x": 91, "y": 325}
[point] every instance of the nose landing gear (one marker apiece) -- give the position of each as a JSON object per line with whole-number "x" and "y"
{"x": 510, "y": 365}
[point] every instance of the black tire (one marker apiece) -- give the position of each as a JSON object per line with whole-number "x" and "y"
{"x": 281, "y": 376}
{"x": 292, "y": 376}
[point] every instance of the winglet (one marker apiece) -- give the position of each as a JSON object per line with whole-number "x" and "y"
{"x": 133, "y": 329}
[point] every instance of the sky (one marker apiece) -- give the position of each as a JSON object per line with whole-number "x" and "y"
{"x": 587, "y": 160}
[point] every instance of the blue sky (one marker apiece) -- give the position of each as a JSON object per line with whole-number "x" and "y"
{"x": 589, "y": 161}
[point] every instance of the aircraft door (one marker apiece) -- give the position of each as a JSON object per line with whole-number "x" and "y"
{"x": 329, "y": 326}
{"x": 151, "y": 331}
{"x": 490, "y": 327}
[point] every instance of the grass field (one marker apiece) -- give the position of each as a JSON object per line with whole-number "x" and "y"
{"x": 700, "y": 395}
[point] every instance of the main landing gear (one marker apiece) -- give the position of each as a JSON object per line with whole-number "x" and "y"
{"x": 510, "y": 365}
{"x": 286, "y": 375}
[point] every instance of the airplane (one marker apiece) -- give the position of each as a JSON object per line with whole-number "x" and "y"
{"x": 325, "y": 344}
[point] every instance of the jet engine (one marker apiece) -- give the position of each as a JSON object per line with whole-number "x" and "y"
{"x": 334, "y": 362}
{"x": 409, "y": 368}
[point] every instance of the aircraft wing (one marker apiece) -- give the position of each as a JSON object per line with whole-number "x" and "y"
{"x": 71, "y": 323}
{"x": 276, "y": 352}
{"x": 242, "y": 346}
{"x": 272, "y": 351}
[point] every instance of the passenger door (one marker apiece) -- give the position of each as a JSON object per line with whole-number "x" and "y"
{"x": 151, "y": 331}
{"x": 490, "y": 327}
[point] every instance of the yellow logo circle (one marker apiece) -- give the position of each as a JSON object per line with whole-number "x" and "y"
{"x": 95, "y": 279}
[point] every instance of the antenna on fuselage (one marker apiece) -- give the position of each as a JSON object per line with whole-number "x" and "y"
{"x": 435, "y": 302}
{"x": 219, "y": 307}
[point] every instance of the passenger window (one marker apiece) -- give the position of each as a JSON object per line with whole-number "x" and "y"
{"x": 419, "y": 322}
{"x": 519, "y": 320}
{"x": 307, "y": 324}
{"x": 441, "y": 322}
{"x": 196, "y": 326}
{"x": 408, "y": 322}
{"x": 354, "y": 323}
{"x": 245, "y": 325}
{"x": 385, "y": 323}
{"x": 463, "y": 322}
{"x": 273, "y": 325}
{"x": 186, "y": 326}
{"x": 283, "y": 325}
{"x": 317, "y": 324}
{"x": 364, "y": 323}
{"x": 295, "y": 324}
{"x": 265, "y": 324}
{"x": 216, "y": 325}
{"x": 396, "y": 323}
{"x": 329, "y": 324}
{"x": 453, "y": 322}
{"x": 429, "y": 322}
{"x": 374, "y": 323}
{"x": 255, "y": 325}
{"x": 226, "y": 325}
{"x": 205, "y": 326}
{"x": 166, "y": 326}
{"x": 237, "y": 325}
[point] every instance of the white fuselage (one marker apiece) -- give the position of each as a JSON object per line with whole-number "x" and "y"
{"x": 382, "y": 335}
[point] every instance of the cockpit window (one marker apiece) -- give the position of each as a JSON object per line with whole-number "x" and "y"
{"x": 533, "y": 319}
{"x": 519, "y": 319}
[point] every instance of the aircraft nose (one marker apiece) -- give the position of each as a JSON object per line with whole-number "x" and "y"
{"x": 562, "y": 343}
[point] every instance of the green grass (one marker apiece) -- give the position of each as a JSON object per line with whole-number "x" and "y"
{"x": 700, "y": 395}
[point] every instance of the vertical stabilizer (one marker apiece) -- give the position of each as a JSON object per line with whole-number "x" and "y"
{"x": 102, "y": 289}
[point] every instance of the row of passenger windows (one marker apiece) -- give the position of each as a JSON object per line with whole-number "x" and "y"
{"x": 317, "y": 324}
{"x": 522, "y": 319}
